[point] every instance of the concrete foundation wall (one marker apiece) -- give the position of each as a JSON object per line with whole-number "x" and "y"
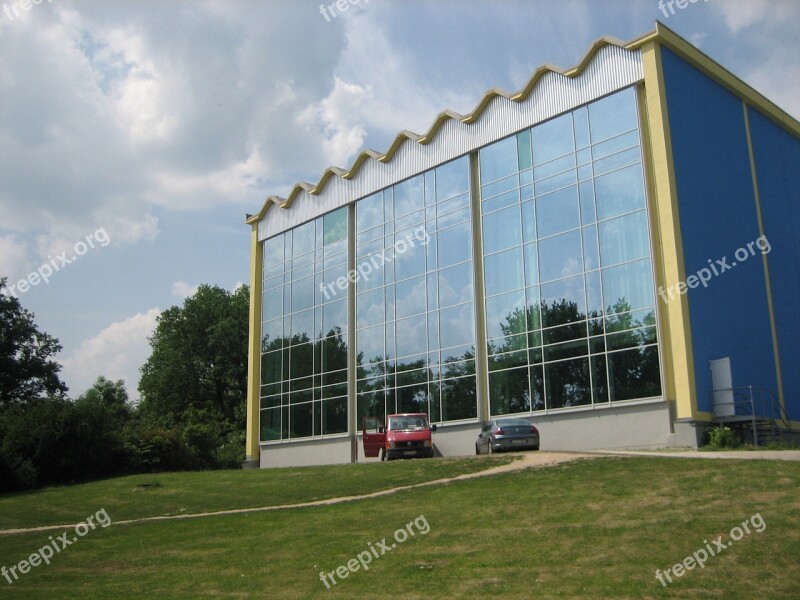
{"x": 306, "y": 453}
{"x": 608, "y": 428}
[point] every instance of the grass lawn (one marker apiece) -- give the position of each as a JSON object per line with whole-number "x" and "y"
{"x": 139, "y": 496}
{"x": 595, "y": 528}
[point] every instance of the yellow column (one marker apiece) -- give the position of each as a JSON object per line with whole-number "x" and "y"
{"x": 252, "y": 453}
{"x": 676, "y": 335}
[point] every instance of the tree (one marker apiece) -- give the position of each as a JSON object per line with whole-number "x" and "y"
{"x": 26, "y": 369}
{"x": 199, "y": 359}
{"x": 195, "y": 381}
{"x": 55, "y": 440}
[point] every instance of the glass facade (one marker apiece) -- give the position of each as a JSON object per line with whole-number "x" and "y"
{"x": 304, "y": 331}
{"x": 570, "y": 303}
{"x": 568, "y": 286}
{"x": 415, "y": 316}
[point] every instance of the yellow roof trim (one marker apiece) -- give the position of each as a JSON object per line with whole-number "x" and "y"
{"x": 661, "y": 35}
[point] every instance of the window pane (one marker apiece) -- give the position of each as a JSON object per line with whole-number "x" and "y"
{"x": 273, "y": 250}
{"x": 619, "y": 192}
{"x": 502, "y": 229}
{"x": 370, "y": 308}
{"x": 303, "y": 294}
{"x": 587, "y": 202}
{"x": 409, "y": 196}
{"x": 503, "y": 271}
{"x": 490, "y": 190}
{"x": 628, "y": 287}
{"x": 509, "y": 391}
{"x": 370, "y": 343}
{"x": 545, "y": 186}
{"x": 524, "y": 150}
{"x": 301, "y": 423}
{"x": 459, "y": 399}
{"x": 553, "y": 139}
{"x": 412, "y": 336}
{"x": 531, "y": 264}
{"x": 567, "y": 383}
{"x": 617, "y": 161}
{"x": 558, "y": 211}
{"x": 457, "y": 326}
{"x": 334, "y": 226}
{"x": 334, "y": 416}
{"x": 303, "y": 239}
{"x": 613, "y": 115}
{"x": 498, "y": 160}
{"x": 409, "y": 256}
{"x": 334, "y": 317}
{"x": 454, "y": 244}
{"x": 581, "y": 121}
{"x": 560, "y": 256}
{"x": 591, "y": 258}
{"x": 270, "y": 424}
{"x": 529, "y": 221}
{"x": 563, "y": 301}
{"x": 505, "y": 314}
{"x": 634, "y": 374}
{"x": 272, "y": 307}
{"x": 455, "y": 285}
{"x": 624, "y": 239}
{"x": 617, "y": 144}
{"x": 410, "y": 297}
{"x": 594, "y": 294}
{"x": 554, "y": 167}
{"x": 452, "y": 178}
{"x": 369, "y": 212}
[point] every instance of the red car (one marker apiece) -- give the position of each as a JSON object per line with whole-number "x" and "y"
{"x": 406, "y": 435}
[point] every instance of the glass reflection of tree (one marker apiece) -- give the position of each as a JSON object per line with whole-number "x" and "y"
{"x": 414, "y": 383}
{"x": 635, "y": 373}
{"x": 330, "y": 352}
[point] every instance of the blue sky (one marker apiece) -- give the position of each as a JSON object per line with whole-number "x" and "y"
{"x": 157, "y": 125}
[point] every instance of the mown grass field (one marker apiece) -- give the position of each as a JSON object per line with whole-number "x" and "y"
{"x": 594, "y": 528}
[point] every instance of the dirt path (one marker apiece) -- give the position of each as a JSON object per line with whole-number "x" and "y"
{"x": 525, "y": 461}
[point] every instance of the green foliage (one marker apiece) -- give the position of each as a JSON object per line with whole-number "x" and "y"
{"x": 158, "y": 449}
{"x": 721, "y": 437}
{"x": 199, "y": 359}
{"x": 192, "y": 413}
{"x": 26, "y": 368}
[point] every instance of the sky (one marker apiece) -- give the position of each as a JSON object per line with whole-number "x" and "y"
{"x": 135, "y": 135}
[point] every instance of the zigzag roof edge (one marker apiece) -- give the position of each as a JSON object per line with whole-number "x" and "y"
{"x": 445, "y": 116}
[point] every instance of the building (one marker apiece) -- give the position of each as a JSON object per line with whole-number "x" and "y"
{"x": 581, "y": 253}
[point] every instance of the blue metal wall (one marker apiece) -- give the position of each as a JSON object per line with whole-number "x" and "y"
{"x": 718, "y": 215}
{"x": 777, "y": 156}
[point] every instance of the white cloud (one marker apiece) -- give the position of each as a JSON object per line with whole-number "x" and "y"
{"x": 13, "y": 258}
{"x": 181, "y": 289}
{"x": 117, "y": 352}
{"x": 771, "y": 68}
{"x": 338, "y": 116}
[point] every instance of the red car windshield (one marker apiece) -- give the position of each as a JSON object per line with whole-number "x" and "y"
{"x": 407, "y": 423}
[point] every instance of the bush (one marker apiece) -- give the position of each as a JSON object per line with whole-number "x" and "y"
{"x": 721, "y": 437}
